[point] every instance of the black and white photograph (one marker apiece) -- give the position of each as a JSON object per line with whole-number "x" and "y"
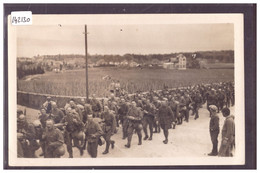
{"x": 126, "y": 89}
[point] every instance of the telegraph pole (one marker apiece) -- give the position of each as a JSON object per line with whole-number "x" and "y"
{"x": 86, "y": 52}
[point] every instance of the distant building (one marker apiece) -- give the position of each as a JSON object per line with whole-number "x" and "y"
{"x": 182, "y": 62}
{"x": 169, "y": 65}
{"x": 178, "y": 62}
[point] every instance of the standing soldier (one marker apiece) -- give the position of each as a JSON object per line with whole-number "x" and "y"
{"x": 93, "y": 132}
{"x": 122, "y": 111}
{"x": 214, "y": 129}
{"x": 53, "y": 141}
{"x": 109, "y": 128}
{"x": 134, "y": 116}
{"x": 228, "y": 134}
{"x": 148, "y": 119}
{"x": 166, "y": 118}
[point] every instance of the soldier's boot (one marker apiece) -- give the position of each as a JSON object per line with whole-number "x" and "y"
{"x": 151, "y": 133}
{"x": 145, "y": 132}
{"x": 81, "y": 150}
{"x": 107, "y": 148}
{"x": 146, "y": 137}
{"x": 112, "y": 144}
{"x": 150, "y": 138}
{"x": 69, "y": 149}
{"x": 140, "y": 139}
{"x": 129, "y": 139}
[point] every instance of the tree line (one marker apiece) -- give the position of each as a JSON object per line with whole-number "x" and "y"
{"x": 28, "y": 68}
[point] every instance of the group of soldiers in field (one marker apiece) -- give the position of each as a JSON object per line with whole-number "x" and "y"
{"x": 87, "y": 124}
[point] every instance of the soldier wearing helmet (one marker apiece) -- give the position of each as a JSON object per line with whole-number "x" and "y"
{"x": 122, "y": 111}
{"x": 134, "y": 117}
{"x": 56, "y": 113}
{"x": 165, "y": 119}
{"x": 27, "y": 144}
{"x": 73, "y": 131}
{"x": 109, "y": 128}
{"x": 148, "y": 120}
{"x": 53, "y": 141}
{"x": 48, "y": 105}
{"x": 93, "y": 132}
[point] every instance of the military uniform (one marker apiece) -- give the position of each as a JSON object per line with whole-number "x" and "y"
{"x": 57, "y": 115}
{"x": 197, "y": 101}
{"x": 27, "y": 144}
{"x": 96, "y": 108}
{"x": 183, "y": 109}
{"x": 87, "y": 111}
{"x": 122, "y": 111}
{"x": 166, "y": 118}
{"x": 211, "y": 100}
{"x": 214, "y": 131}
{"x": 109, "y": 129}
{"x": 93, "y": 132}
{"x": 73, "y": 129}
{"x": 188, "y": 102}
{"x": 228, "y": 137}
{"x": 53, "y": 142}
{"x": 174, "y": 105}
{"x": 148, "y": 119}
{"x": 134, "y": 116}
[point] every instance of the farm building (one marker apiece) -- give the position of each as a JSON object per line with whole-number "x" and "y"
{"x": 178, "y": 62}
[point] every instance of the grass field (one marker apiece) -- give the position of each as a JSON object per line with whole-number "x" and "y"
{"x": 72, "y": 83}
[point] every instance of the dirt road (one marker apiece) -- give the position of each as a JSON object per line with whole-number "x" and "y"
{"x": 189, "y": 139}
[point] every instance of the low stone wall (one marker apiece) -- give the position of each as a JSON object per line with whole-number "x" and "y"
{"x": 35, "y": 100}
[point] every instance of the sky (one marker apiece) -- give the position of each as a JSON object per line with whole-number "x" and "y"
{"x": 121, "y": 39}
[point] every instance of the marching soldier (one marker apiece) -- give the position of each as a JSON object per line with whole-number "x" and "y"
{"x": 53, "y": 141}
{"x": 166, "y": 118}
{"x": 73, "y": 131}
{"x": 93, "y": 132}
{"x": 174, "y": 105}
{"x": 56, "y": 113}
{"x": 188, "y": 102}
{"x": 197, "y": 101}
{"x": 26, "y": 135}
{"x": 183, "y": 109}
{"x": 109, "y": 128}
{"x": 134, "y": 116}
{"x": 96, "y": 107}
{"x": 148, "y": 119}
{"x": 157, "y": 105}
{"x": 122, "y": 111}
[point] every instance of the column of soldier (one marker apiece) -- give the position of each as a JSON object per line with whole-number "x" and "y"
{"x": 88, "y": 124}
